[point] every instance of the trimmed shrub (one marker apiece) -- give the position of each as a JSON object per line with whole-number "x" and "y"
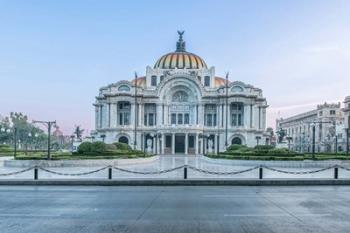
{"x": 236, "y": 147}
{"x": 84, "y": 147}
{"x": 98, "y": 147}
{"x": 122, "y": 146}
{"x": 111, "y": 147}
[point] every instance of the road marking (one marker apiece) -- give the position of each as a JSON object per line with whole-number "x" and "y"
{"x": 29, "y": 215}
{"x": 276, "y": 215}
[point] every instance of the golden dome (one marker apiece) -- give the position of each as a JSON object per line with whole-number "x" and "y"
{"x": 180, "y": 59}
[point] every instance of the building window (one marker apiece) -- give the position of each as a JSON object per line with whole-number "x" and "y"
{"x": 207, "y": 81}
{"x": 124, "y": 88}
{"x": 237, "y": 114}
{"x": 161, "y": 78}
{"x": 150, "y": 115}
{"x": 179, "y": 119}
{"x": 187, "y": 119}
{"x": 320, "y": 113}
{"x": 210, "y": 115}
{"x": 199, "y": 78}
{"x": 124, "y": 109}
{"x": 154, "y": 80}
{"x": 151, "y": 119}
{"x": 173, "y": 119}
{"x": 332, "y": 112}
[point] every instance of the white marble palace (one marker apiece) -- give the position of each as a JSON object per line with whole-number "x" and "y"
{"x": 180, "y": 106}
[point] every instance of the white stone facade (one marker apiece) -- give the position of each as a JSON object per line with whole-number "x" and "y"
{"x": 330, "y": 128}
{"x": 180, "y": 107}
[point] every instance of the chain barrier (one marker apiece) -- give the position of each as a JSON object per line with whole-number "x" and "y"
{"x": 72, "y": 174}
{"x": 222, "y": 173}
{"x": 299, "y": 172}
{"x": 342, "y": 167}
{"x": 176, "y": 168}
{"x": 17, "y": 172}
{"x": 149, "y": 173}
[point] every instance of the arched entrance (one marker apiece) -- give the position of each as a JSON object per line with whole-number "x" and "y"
{"x": 123, "y": 139}
{"x": 236, "y": 141}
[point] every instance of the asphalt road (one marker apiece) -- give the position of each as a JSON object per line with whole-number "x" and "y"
{"x": 174, "y": 209}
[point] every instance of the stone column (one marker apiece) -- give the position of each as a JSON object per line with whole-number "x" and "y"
{"x": 196, "y": 144}
{"x": 173, "y": 144}
{"x": 215, "y": 143}
{"x": 140, "y": 115}
{"x": 186, "y": 143}
{"x": 109, "y": 115}
{"x": 132, "y": 114}
{"x": 158, "y": 115}
{"x": 200, "y": 114}
{"x": 96, "y": 117}
{"x": 163, "y": 143}
{"x": 246, "y": 116}
{"x": 251, "y": 117}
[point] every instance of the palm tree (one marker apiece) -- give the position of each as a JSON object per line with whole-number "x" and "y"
{"x": 78, "y": 132}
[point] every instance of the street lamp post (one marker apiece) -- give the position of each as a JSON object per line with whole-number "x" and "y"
{"x": 49, "y": 124}
{"x": 15, "y": 141}
{"x": 347, "y": 140}
{"x": 103, "y": 136}
{"x": 313, "y": 125}
{"x": 289, "y": 139}
{"x": 257, "y": 140}
{"x": 336, "y": 144}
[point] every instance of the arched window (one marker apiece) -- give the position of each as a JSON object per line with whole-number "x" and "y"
{"x": 236, "y": 141}
{"x": 123, "y": 139}
{"x": 180, "y": 96}
{"x": 124, "y": 88}
{"x": 237, "y": 89}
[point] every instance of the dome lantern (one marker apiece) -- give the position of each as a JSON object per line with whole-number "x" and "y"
{"x": 180, "y": 59}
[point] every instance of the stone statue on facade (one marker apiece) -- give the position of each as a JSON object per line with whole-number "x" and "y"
{"x": 210, "y": 146}
{"x": 149, "y": 145}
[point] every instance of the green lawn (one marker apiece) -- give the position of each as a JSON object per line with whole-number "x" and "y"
{"x": 69, "y": 156}
{"x": 282, "y": 157}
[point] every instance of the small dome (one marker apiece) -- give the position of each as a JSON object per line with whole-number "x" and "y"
{"x": 180, "y": 59}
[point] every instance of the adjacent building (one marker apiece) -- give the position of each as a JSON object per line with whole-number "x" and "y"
{"x": 331, "y": 123}
{"x": 180, "y": 106}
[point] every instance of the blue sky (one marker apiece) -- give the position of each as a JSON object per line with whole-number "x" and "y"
{"x": 54, "y": 55}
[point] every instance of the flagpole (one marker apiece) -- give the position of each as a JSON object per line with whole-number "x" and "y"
{"x": 226, "y": 125}
{"x": 135, "y": 121}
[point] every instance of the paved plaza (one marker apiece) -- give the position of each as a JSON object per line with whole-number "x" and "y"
{"x": 174, "y": 209}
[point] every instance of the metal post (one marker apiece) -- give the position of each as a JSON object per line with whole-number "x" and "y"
{"x": 226, "y": 121}
{"x": 15, "y": 142}
{"x": 35, "y": 173}
{"x": 336, "y": 173}
{"x": 347, "y": 140}
{"x": 260, "y": 173}
{"x": 49, "y": 141}
{"x": 110, "y": 173}
{"x": 185, "y": 173}
{"x": 135, "y": 112}
{"x": 336, "y": 144}
{"x": 313, "y": 141}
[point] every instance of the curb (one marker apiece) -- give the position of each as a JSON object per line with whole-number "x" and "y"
{"x": 188, "y": 182}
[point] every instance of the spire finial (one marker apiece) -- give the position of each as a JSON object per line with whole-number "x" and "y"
{"x": 180, "y": 45}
